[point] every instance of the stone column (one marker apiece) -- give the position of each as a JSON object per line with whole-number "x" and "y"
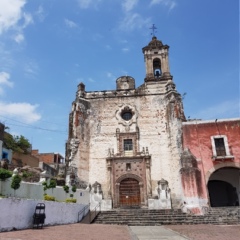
{"x": 167, "y": 64}
{"x": 109, "y": 180}
{"x": 141, "y": 193}
{"x": 148, "y": 178}
{"x": 116, "y": 198}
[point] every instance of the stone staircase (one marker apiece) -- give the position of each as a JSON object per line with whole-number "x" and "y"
{"x": 144, "y": 217}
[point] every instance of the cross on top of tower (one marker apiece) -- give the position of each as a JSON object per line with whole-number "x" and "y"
{"x": 153, "y": 28}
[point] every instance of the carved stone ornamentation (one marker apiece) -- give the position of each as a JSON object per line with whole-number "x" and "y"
{"x": 164, "y": 194}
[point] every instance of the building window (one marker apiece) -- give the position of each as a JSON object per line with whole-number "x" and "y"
{"x": 126, "y": 113}
{"x": 4, "y": 155}
{"x": 127, "y": 144}
{"x": 220, "y": 147}
{"x": 128, "y": 147}
{"x": 127, "y": 116}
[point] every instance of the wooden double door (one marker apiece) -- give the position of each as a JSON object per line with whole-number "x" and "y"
{"x": 129, "y": 193}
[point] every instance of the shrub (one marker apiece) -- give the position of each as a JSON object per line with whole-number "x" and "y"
{"x": 49, "y": 198}
{"x": 74, "y": 188}
{"x": 26, "y": 174}
{"x": 52, "y": 184}
{"x": 66, "y": 188}
{"x": 16, "y": 180}
{"x": 71, "y": 200}
{"x": 4, "y": 174}
{"x": 45, "y": 186}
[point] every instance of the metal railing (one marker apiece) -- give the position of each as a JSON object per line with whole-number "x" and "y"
{"x": 87, "y": 215}
{"x": 83, "y": 212}
{"x": 96, "y": 210}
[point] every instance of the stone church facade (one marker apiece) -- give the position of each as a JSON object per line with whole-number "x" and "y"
{"x": 127, "y": 142}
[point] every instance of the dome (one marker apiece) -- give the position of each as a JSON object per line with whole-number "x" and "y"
{"x": 154, "y": 44}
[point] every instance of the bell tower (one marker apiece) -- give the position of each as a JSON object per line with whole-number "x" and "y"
{"x": 156, "y": 61}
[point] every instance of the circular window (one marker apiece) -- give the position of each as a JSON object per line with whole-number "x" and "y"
{"x": 127, "y": 115}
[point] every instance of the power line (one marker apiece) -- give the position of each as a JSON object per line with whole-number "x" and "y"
{"x": 30, "y": 126}
{"x": 28, "y": 118}
{"x": 39, "y": 128}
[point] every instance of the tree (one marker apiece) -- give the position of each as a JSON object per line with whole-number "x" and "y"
{"x": 15, "y": 184}
{"x": 16, "y": 143}
{"x": 23, "y": 143}
{"x": 52, "y": 184}
{"x": 4, "y": 174}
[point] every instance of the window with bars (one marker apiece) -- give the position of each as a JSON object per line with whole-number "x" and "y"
{"x": 220, "y": 146}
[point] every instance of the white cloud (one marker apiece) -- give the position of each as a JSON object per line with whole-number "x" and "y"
{"x": 25, "y": 112}
{"x": 40, "y": 14}
{"x": 91, "y": 80}
{"x": 31, "y": 69}
{"x": 111, "y": 76}
{"x": 128, "y": 5}
{"x": 19, "y": 38}
{"x": 6, "y": 59}
{"x": 97, "y": 36}
{"x": 125, "y": 49}
{"x": 108, "y": 47}
{"x": 168, "y": 3}
{"x": 70, "y": 23}
{"x": 134, "y": 21}
{"x": 4, "y": 79}
{"x": 10, "y": 13}
{"x": 84, "y": 4}
{"x": 27, "y": 20}
{"x": 13, "y": 17}
{"x": 226, "y": 109}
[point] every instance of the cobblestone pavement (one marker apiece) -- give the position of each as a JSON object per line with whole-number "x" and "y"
{"x": 118, "y": 232}
{"x": 203, "y": 232}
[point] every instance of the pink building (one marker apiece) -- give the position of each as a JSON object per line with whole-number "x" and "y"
{"x": 211, "y": 163}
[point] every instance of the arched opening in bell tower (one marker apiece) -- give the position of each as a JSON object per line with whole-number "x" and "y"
{"x": 224, "y": 187}
{"x": 157, "y": 67}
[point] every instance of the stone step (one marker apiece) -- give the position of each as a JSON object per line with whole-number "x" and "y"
{"x": 145, "y": 217}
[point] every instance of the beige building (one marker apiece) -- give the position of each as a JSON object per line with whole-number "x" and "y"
{"x": 128, "y": 140}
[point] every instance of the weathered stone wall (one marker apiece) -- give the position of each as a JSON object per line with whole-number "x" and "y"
{"x": 156, "y": 115}
{"x": 98, "y": 127}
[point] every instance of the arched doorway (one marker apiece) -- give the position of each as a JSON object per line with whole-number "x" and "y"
{"x": 129, "y": 193}
{"x": 224, "y": 187}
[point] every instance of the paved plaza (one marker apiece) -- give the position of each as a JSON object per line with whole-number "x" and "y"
{"x": 118, "y": 232}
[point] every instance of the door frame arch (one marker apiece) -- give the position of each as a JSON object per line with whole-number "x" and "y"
{"x": 221, "y": 166}
{"x": 125, "y": 176}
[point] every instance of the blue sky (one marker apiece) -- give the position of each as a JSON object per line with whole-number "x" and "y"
{"x": 47, "y": 47}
